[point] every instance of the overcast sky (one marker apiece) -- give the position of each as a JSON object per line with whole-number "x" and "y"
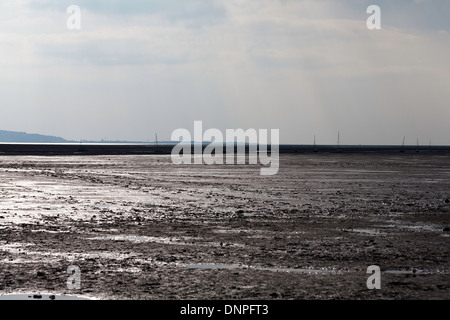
{"x": 304, "y": 67}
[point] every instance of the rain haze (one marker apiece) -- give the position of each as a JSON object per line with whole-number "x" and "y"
{"x": 136, "y": 68}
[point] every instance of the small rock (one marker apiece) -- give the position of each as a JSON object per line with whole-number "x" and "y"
{"x": 239, "y": 213}
{"x": 274, "y": 295}
{"x": 446, "y": 229}
{"x": 447, "y": 201}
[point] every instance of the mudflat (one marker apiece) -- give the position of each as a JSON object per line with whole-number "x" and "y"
{"x": 141, "y": 227}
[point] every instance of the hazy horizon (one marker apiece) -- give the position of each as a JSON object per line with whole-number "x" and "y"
{"x": 88, "y": 141}
{"x": 137, "y": 68}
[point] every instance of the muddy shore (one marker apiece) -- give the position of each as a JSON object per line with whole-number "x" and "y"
{"x": 140, "y": 227}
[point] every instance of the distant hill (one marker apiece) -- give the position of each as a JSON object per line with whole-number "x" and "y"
{"x": 23, "y": 137}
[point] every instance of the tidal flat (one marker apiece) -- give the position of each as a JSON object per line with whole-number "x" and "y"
{"x": 141, "y": 227}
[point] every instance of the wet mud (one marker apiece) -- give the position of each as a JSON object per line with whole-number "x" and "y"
{"x": 140, "y": 227}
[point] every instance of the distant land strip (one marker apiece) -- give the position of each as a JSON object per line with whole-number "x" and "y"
{"x": 166, "y": 148}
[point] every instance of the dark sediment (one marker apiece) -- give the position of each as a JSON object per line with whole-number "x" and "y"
{"x": 140, "y": 227}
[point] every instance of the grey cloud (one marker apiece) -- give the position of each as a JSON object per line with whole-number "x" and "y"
{"x": 114, "y": 52}
{"x": 410, "y": 15}
{"x": 311, "y": 66}
{"x": 192, "y": 13}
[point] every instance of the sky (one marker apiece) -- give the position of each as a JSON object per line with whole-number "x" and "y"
{"x": 306, "y": 67}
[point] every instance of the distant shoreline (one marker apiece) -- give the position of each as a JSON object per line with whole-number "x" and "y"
{"x": 164, "y": 148}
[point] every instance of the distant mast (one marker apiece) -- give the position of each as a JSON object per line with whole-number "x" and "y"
{"x": 338, "y": 143}
{"x": 403, "y": 145}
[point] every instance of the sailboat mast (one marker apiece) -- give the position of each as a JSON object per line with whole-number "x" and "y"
{"x": 315, "y": 149}
{"x": 339, "y": 142}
